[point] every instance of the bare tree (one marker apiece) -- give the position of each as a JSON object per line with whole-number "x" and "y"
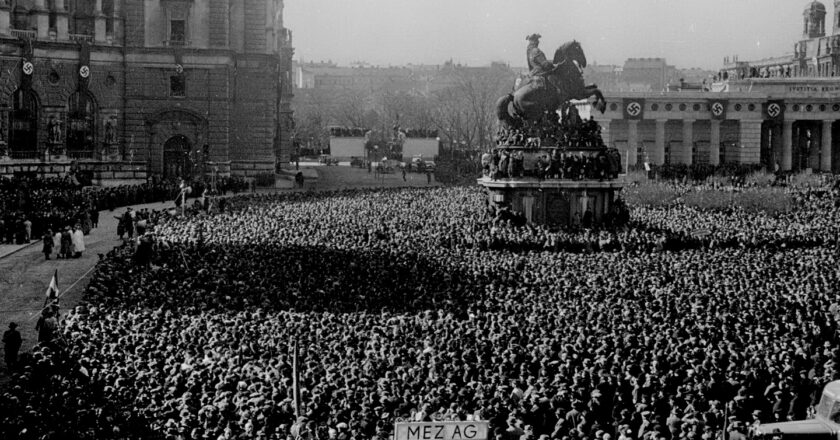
{"x": 311, "y": 109}
{"x": 464, "y": 112}
{"x": 351, "y": 108}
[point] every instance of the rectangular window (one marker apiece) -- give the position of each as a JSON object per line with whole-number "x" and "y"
{"x": 177, "y": 32}
{"x": 177, "y": 86}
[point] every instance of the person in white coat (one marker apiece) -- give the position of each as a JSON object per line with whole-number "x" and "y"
{"x": 57, "y": 243}
{"x": 78, "y": 241}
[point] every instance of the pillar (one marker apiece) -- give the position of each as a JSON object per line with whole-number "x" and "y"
{"x": 5, "y": 18}
{"x": 42, "y": 19}
{"x": 632, "y": 142}
{"x": 787, "y": 146}
{"x": 61, "y": 23}
{"x": 688, "y": 141}
{"x": 749, "y": 145}
{"x": 658, "y": 156}
{"x": 99, "y": 23}
{"x": 825, "y": 154}
{"x": 714, "y": 142}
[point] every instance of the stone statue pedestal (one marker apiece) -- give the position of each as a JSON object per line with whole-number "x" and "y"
{"x": 55, "y": 151}
{"x": 111, "y": 151}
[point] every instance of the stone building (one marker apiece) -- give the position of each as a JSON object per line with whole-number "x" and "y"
{"x": 782, "y": 113}
{"x": 128, "y": 89}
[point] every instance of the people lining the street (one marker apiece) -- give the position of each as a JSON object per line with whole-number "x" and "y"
{"x": 29, "y": 206}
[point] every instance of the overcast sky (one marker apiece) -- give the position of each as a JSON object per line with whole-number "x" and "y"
{"x": 689, "y": 33}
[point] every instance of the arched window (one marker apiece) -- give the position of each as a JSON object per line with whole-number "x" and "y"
{"x": 23, "y": 124}
{"x": 81, "y": 124}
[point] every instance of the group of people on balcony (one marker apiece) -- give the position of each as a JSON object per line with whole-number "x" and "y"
{"x": 756, "y": 72}
{"x": 508, "y": 164}
{"x": 571, "y": 132}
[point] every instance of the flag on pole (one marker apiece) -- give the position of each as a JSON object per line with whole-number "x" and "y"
{"x": 52, "y": 289}
{"x": 295, "y": 379}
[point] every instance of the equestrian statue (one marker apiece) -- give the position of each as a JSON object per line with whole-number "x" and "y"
{"x": 548, "y": 86}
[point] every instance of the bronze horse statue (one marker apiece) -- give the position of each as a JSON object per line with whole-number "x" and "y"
{"x": 535, "y": 95}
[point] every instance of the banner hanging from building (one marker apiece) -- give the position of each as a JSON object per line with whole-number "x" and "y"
{"x": 774, "y": 110}
{"x": 84, "y": 68}
{"x": 634, "y": 108}
{"x": 27, "y": 64}
{"x": 717, "y": 108}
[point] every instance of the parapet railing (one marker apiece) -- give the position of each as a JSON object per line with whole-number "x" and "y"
{"x": 25, "y": 154}
{"x": 81, "y": 38}
{"x": 21, "y": 33}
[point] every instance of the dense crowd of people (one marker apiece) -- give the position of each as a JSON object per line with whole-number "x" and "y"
{"x": 419, "y": 304}
{"x": 30, "y": 206}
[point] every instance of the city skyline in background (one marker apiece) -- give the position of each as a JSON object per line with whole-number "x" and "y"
{"x": 474, "y": 32}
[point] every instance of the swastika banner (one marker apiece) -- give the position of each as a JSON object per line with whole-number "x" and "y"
{"x": 633, "y": 108}
{"x": 717, "y": 108}
{"x": 774, "y": 110}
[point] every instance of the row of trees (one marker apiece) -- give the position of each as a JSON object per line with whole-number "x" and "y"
{"x": 458, "y": 102}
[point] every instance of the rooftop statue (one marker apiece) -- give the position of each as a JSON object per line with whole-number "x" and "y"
{"x": 548, "y": 86}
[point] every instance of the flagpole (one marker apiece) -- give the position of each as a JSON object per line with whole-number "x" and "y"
{"x": 295, "y": 378}
{"x": 725, "y": 420}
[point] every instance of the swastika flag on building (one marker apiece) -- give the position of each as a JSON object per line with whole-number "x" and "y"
{"x": 717, "y": 108}
{"x": 633, "y": 108}
{"x": 774, "y": 110}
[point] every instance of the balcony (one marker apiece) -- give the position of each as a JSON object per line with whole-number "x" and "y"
{"x": 81, "y": 154}
{"x": 25, "y": 154}
{"x": 24, "y": 34}
{"x": 177, "y": 43}
{"x": 79, "y": 38}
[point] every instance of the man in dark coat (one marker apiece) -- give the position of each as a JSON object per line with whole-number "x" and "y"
{"x": 11, "y": 345}
{"x": 48, "y": 244}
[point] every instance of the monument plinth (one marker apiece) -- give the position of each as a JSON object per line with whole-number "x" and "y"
{"x": 550, "y": 166}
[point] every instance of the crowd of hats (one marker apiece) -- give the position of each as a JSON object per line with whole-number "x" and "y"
{"x": 415, "y": 304}
{"x": 57, "y": 202}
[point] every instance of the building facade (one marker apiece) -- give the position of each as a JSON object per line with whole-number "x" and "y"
{"x": 175, "y": 88}
{"x": 782, "y": 113}
{"x": 794, "y": 128}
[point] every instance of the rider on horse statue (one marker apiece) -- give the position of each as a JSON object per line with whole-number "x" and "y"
{"x": 538, "y": 64}
{"x": 549, "y": 86}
